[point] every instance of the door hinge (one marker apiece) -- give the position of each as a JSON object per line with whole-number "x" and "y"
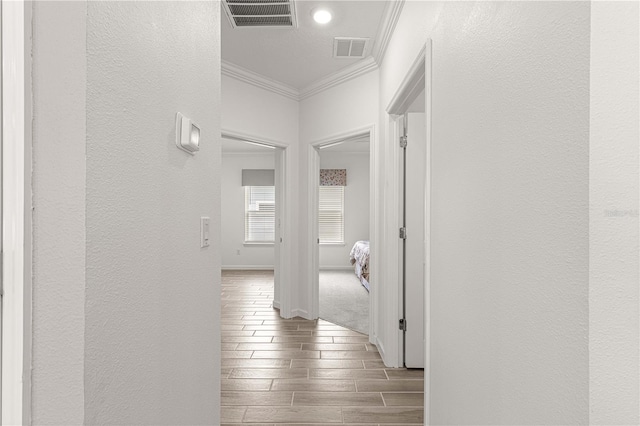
{"x": 403, "y": 141}
{"x": 403, "y": 324}
{"x": 403, "y": 233}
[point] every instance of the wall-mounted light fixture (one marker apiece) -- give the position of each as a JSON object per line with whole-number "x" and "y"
{"x": 187, "y": 134}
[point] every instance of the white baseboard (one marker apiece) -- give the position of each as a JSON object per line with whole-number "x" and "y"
{"x": 301, "y": 313}
{"x": 247, "y": 267}
{"x": 340, "y": 268}
{"x": 381, "y": 351}
{"x": 276, "y": 305}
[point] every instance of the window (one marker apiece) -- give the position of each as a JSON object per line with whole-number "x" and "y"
{"x": 331, "y": 215}
{"x": 259, "y": 217}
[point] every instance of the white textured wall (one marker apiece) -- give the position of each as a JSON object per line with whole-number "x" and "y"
{"x": 233, "y": 212}
{"x": 258, "y": 112}
{"x": 356, "y": 204}
{"x": 613, "y": 204}
{"x": 510, "y": 226}
{"x": 59, "y": 94}
{"x": 152, "y": 340}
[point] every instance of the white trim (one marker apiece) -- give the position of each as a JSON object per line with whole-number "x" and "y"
{"x": 342, "y": 76}
{"x": 257, "y": 244}
{"x": 16, "y": 218}
{"x": 387, "y": 27}
{"x": 427, "y": 229}
{"x": 412, "y": 85}
{"x": 337, "y": 268}
{"x": 247, "y": 153}
{"x": 247, "y": 267}
{"x": 244, "y": 137}
{"x": 247, "y": 76}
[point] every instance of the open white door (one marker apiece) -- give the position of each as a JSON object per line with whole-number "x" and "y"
{"x": 279, "y": 266}
{"x": 414, "y": 243}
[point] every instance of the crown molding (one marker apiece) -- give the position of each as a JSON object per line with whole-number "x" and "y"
{"x": 356, "y": 70}
{"x": 387, "y": 27}
{"x": 257, "y": 80}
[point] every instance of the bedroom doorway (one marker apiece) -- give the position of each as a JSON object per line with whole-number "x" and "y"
{"x": 343, "y": 233}
{"x": 339, "y": 217}
{"x": 254, "y": 216}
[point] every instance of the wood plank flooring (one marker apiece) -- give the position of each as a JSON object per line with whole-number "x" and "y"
{"x": 294, "y": 372}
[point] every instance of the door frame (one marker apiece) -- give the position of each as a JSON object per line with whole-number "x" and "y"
{"x": 16, "y": 212}
{"x": 282, "y": 243}
{"x": 417, "y": 79}
{"x": 312, "y": 219}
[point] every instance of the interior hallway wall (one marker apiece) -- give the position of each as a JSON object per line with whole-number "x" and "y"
{"x": 356, "y": 205}
{"x": 152, "y": 338}
{"x": 233, "y": 204}
{"x": 510, "y": 226}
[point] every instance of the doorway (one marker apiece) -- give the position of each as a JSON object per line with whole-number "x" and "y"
{"x": 335, "y": 148}
{"x": 255, "y": 212}
{"x": 343, "y": 232}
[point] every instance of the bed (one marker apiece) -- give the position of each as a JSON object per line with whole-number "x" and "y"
{"x": 359, "y": 258}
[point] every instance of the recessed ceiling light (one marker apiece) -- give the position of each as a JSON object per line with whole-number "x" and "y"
{"x": 322, "y": 16}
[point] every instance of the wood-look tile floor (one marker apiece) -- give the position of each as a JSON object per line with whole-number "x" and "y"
{"x": 296, "y": 371}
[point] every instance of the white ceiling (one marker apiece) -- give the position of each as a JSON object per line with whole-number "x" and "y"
{"x": 299, "y": 57}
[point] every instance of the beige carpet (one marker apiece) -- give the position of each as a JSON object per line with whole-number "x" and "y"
{"x": 343, "y": 300}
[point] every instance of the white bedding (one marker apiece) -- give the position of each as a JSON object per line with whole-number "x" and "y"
{"x": 359, "y": 257}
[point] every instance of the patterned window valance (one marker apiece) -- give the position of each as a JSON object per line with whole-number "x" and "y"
{"x": 333, "y": 177}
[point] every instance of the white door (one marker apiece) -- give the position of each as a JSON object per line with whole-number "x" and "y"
{"x": 278, "y": 269}
{"x": 415, "y": 213}
{"x": 1, "y": 207}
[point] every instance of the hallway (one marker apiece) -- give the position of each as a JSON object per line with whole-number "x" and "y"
{"x": 296, "y": 371}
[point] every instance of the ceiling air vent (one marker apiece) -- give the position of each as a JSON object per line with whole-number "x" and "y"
{"x": 350, "y": 47}
{"x": 261, "y": 13}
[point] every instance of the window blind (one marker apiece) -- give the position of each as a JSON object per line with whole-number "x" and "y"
{"x": 259, "y": 219}
{"x": 331, "y": 215}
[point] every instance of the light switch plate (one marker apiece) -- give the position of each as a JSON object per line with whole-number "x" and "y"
{"x": 204, "y": 232}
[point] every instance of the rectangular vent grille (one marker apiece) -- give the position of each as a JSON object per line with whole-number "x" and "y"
{"x": 349, "y": 47}
{"x": 261, "y": 13}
